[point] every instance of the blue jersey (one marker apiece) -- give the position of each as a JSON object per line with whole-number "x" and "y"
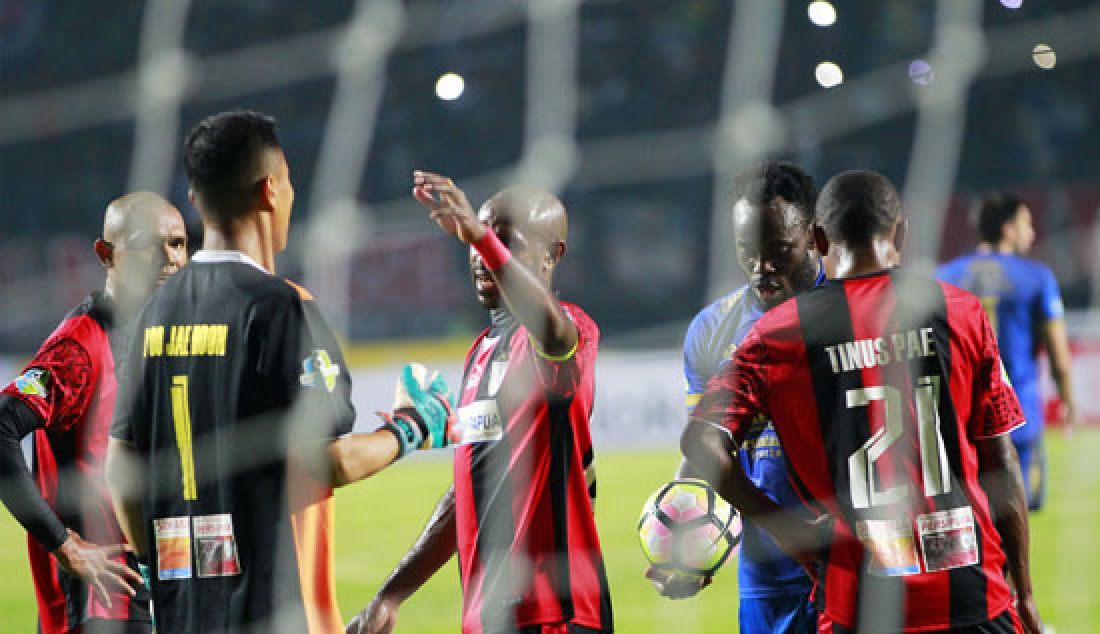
{"x": 763, "y": 570}
{"x": 1019, "y": 295}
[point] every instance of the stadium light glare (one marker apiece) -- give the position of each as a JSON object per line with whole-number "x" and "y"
{"x": 1044, "y": 56}
{"x": 828, "y": 74}
{"x": 449, "y": 86}
{"x": 1012, "y": 4}
{"x": 821, "y": 13}
{"x": 920, "y": 72}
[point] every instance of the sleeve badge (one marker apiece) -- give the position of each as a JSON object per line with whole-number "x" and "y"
{"x": 33, "y": 382}
{"x": 318, "y": 370}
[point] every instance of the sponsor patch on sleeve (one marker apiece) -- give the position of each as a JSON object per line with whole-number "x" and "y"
{"x": 34, "y": 382}
{"x": 319, "y": 371}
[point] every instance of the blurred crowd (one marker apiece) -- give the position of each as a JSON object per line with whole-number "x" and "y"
{"x": 643, "y": 66}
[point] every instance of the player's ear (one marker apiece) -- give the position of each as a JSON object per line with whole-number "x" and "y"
{"x": 900, "y": 232}
{"x": 821, "y": 241}
{"x": 267, "y": 191}
{"x": 554, "y": 254}
{"x": 810, "y": 244}
{"x": 105, "y": 251}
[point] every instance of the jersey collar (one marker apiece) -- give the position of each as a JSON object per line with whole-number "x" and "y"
{"x": 215, "y": 255}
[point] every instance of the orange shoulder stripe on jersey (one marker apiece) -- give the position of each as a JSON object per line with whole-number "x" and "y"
{"x": 302, "y": 292}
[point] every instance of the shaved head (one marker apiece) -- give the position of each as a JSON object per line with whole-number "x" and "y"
{"x": 533, "y": 224}
{"x": 536, "y": 210}
{"x": 144, "y": 242}
{"x": 133, "y": 213}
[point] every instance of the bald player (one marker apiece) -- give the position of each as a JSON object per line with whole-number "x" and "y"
{"x": 519, "y": 514}
{"x": 84, "y": 580}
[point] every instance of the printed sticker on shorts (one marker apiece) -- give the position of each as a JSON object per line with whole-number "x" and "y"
{"x": 480, "y": 421}
{"x": 891, "y": 546}
{"x": 215, "y": 546}
{"x": 948, "y": 539}
{"x": 173, "y": 537}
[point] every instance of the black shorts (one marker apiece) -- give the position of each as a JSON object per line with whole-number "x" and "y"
{"x": 569, "y": 629}
{"x": 1005, "y": 623}
{"x": 105, "y": 626}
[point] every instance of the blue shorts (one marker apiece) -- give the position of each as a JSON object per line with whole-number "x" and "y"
{"x": 1033, "y": 465}
{"x": 784, "y": 614}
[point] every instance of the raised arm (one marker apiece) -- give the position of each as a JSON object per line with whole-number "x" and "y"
{"x": 434, "y": 548}
{"x": 519, "y": 239}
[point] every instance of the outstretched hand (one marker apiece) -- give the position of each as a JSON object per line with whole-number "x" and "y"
{"x": 676, "y": 586}
{"x": 448, "y": 205}
{"x": 92, "y": 563}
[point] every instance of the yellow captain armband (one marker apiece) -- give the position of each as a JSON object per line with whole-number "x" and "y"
{"x": 555, "y": 358}
{"x": 693, "y": 399}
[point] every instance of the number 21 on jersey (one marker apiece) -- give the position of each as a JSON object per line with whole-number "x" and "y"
{"x": 935, "y": 468}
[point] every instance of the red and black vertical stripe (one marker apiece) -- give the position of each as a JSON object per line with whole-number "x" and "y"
{"x": 921, "y": 304}
{"x": 493, "y": 491}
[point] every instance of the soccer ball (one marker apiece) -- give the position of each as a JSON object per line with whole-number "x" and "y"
{"x": 685, "y": 527}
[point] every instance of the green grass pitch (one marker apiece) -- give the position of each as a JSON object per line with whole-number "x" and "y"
{"x": 378, "y": 519}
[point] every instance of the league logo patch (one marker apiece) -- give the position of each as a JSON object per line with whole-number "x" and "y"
{"x": 33, "y": 382}
{"x": 318, "y": 370}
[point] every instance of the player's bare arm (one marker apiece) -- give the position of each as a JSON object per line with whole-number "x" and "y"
{"x": 1056, "y": 344}
{"x": 434, "y": 548}
{"x": 523, "y": 280}
{"x": 124, "y": 478}
{"x": 1000, "y": 476}
{"x": 357, "y": 456}
{"x": 421, "y": 418}
{"x": 710, "y": 451}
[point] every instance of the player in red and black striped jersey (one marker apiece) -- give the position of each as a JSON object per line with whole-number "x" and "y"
{"x": 520, "y": 512}
{"x": 233, "y": 421}
{"x": 65, "y": 397}
{"x": 890, "y": 400}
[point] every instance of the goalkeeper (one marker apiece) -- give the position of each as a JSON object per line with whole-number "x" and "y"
{"x": 233, "y": 415}
{"x": 520, "y": 512}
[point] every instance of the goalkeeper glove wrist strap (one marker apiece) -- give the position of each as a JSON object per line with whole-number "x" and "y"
{"x": 410, "y": 432}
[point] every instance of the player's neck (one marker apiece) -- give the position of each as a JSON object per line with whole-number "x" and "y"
{"x": 248, "y": 238}
{"x": 847, "y": 262}
{"x": 123, "y": 306}
{"x": 1001, "y": 248}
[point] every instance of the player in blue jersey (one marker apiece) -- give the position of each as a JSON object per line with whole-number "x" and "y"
{"x": 772, "y": 219}
{"x": 1022, "y": 300}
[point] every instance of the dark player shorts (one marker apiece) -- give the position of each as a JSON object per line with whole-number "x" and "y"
{"x": 562, "y": 628}
{"x": 103, "y": 626}
{"x": 785, "y": 614}
{"x": 1006, "y": 623}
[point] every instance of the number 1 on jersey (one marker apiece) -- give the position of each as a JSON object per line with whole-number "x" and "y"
{"x": 181, "y": 417}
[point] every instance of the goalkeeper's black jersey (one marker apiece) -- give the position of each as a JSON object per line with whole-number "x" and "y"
{"x": 234, "y": 385}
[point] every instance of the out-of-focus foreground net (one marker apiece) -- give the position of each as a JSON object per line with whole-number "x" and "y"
{"x": 638, "y": 114}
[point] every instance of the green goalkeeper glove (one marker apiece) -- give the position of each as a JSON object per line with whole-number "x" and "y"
{"x": 423, "y": 411}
